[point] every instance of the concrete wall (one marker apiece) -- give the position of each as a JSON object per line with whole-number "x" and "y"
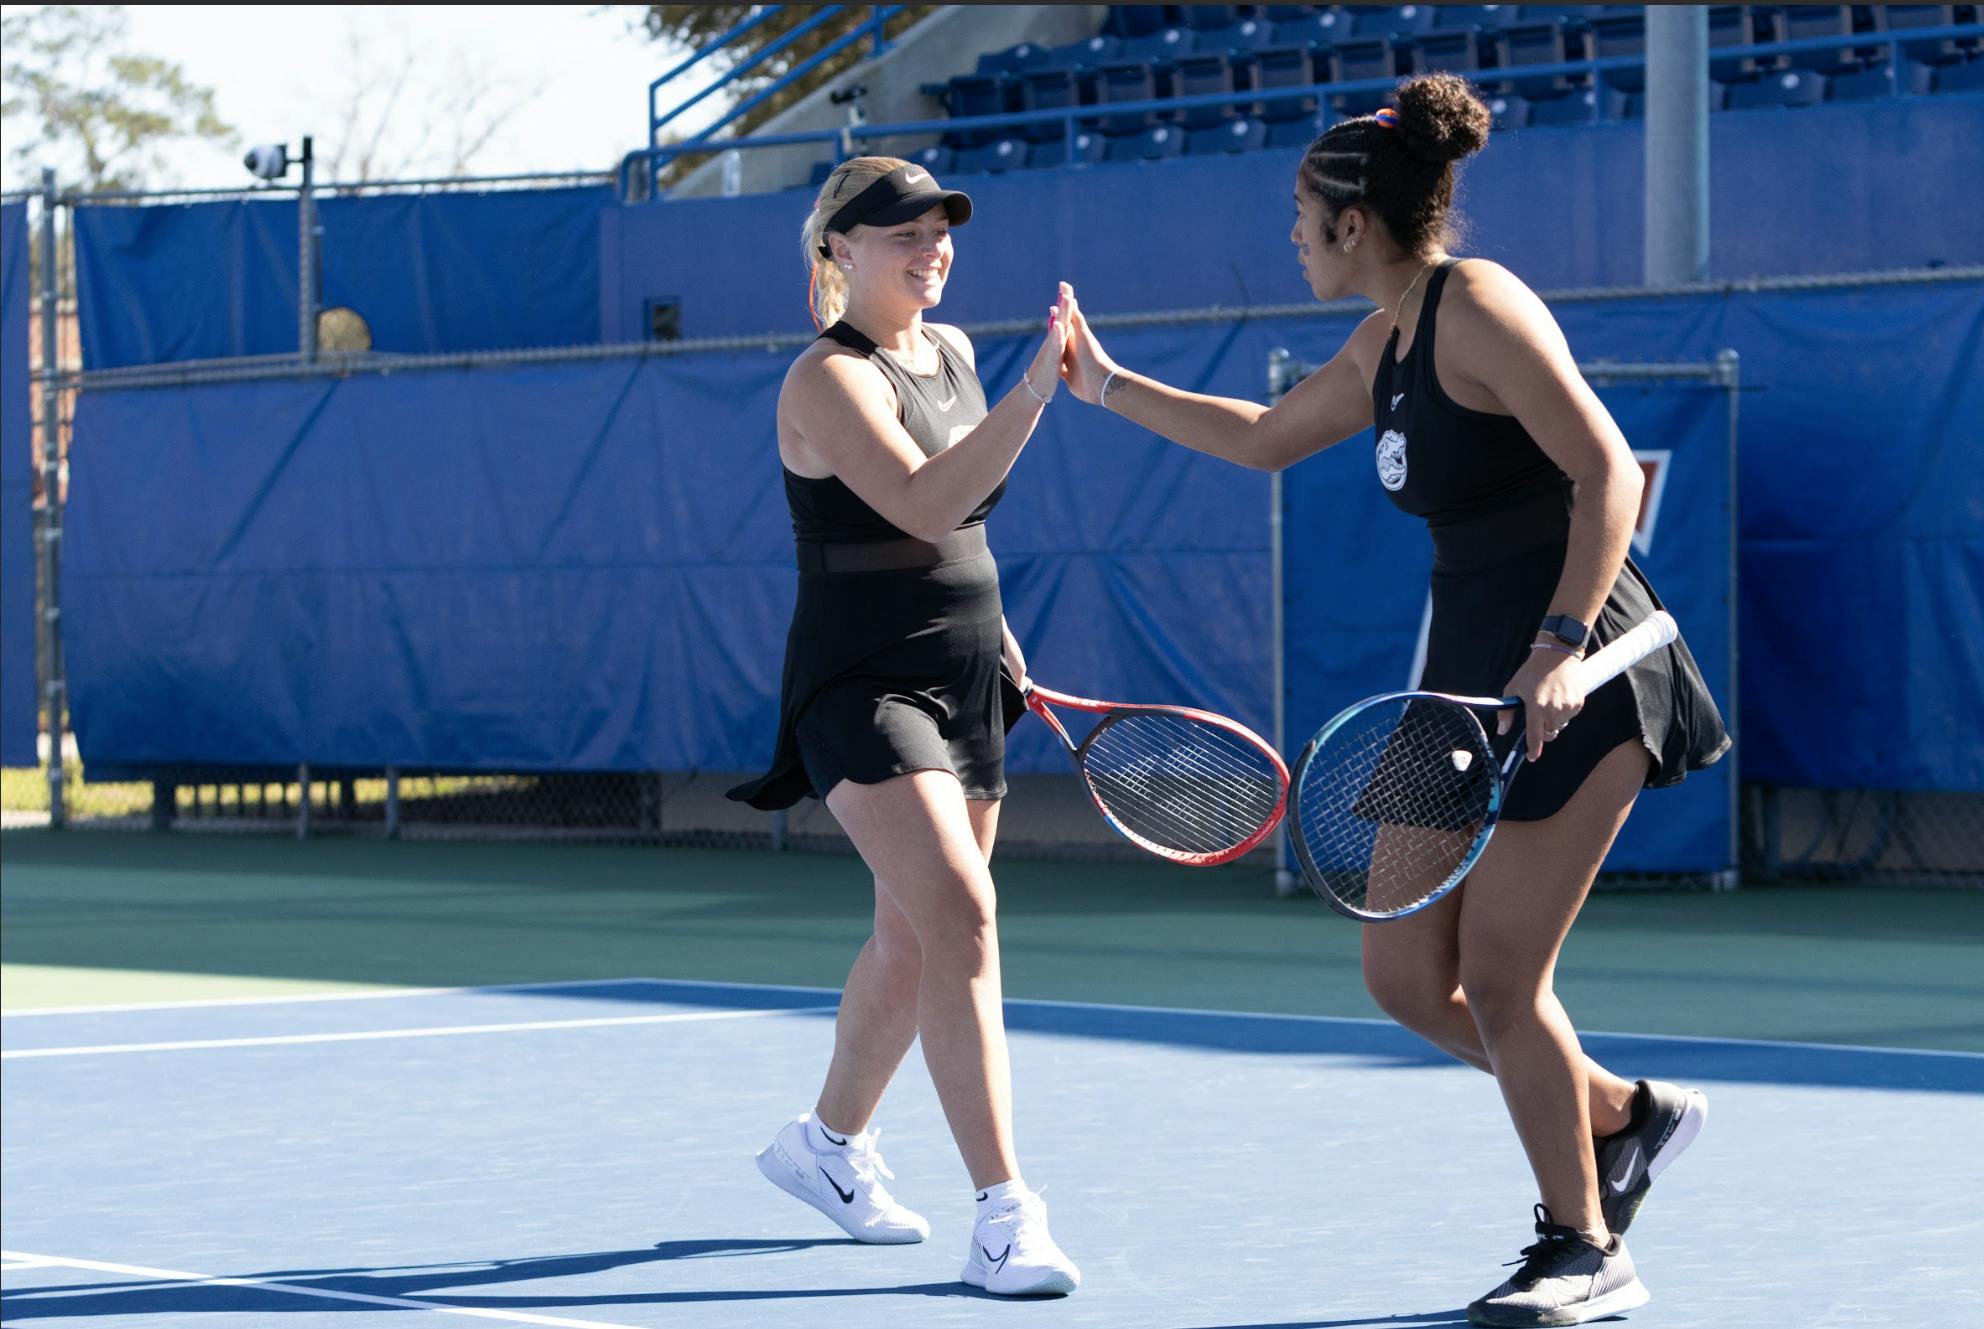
{"x": 946, "y": 43}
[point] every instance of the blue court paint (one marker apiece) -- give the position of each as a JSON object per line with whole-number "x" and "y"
{"x": 1204, "y": 1169}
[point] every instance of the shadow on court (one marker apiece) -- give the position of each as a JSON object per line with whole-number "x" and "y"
{"x": 440, "y": 1285}
{"x": 1427, "y": 1320}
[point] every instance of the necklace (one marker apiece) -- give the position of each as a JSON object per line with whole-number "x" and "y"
{"x": 1400, "y": 307}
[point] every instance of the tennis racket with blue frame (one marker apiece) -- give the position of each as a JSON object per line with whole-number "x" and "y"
{"x": 1396, "y": 798}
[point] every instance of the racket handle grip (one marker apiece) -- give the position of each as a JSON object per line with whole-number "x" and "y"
{"x": 1658, "y": 630}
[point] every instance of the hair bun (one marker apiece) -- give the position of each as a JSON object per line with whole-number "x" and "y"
{"x": 1442, "y": 118}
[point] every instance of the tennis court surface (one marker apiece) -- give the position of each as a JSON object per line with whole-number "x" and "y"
{"x": 348, "y": 1083}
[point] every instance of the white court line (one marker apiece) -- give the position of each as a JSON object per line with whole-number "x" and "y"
{"x": 374, "y": 995}
{"x": 1345, "y": 1019}
{"x": 170, "y": 1277}
{"x": 1011, "y": 1001}
{"x": 368, "y": 1035}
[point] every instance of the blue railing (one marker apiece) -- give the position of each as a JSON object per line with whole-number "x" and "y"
{"x": 874, "y": 29}
{"x": 1074, "y": 117}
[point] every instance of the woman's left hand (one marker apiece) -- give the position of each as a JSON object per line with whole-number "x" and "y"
{"x": 1552, "y": 691}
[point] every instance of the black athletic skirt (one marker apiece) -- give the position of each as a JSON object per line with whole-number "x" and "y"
{"x": 1490, "y": 591}
{"x": 892, "y": 665}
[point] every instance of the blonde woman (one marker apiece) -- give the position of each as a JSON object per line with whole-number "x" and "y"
{"x": 892, "y": 708}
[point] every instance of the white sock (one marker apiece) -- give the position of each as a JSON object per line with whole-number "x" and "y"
{"x": 993, "y": 1197}
{"x": 822, "y": 1140}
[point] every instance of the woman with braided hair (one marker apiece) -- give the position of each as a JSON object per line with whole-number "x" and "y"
{"x": 1487, "y": 431}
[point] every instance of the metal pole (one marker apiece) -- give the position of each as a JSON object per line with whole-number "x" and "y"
{"x": 1280, "y": 370}
{"x": 54, "y": 693}
{"x": 1728, "y": 366}
{"x": 306, "y": 271}
{"x": 1676, "y": 205}
{"x": 303, "y": 805}
{"x": 392, "y": 802}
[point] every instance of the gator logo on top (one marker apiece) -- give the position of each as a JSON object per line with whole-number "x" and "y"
{"x": 1654, "y": 465}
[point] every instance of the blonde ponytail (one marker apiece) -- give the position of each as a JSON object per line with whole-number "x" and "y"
{"x": 826, "y": 288}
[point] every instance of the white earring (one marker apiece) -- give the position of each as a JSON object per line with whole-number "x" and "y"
{"x": 847, "y": 267}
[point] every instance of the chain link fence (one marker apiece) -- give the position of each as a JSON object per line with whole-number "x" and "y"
{"x": 1872, "y": 836}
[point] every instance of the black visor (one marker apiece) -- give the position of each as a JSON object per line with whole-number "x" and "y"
{"x": 904, "y": 193}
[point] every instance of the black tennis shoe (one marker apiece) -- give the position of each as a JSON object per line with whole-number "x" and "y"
{"x": 1666, "y": 1120}
{"x": 1564, "y": 1279}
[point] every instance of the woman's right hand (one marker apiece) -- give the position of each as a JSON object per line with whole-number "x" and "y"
{"x": 1086, "y": 366}
{"x": 1045, "y": 370}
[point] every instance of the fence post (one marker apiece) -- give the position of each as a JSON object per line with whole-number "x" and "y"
{"x": 1728, "y": 367}
{"x": 303, "y": 804}
{"x": 54, "y": 694}
{"x": 1280, "y": 368}
{"x": 392, "y": 802}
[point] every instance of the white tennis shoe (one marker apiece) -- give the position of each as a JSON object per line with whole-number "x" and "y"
{"x": 1013, "y": 1255}
{"x": 844, "y": 1184}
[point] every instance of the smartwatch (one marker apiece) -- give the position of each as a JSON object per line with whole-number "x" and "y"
{"x": 1566, "y": 629}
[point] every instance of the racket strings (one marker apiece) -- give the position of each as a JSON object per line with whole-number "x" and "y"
{"x": 1181, "y": 783}
{"x": 1392, "y": 802}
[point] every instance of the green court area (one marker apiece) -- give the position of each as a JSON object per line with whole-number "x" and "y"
{"x": 96, "y": 918}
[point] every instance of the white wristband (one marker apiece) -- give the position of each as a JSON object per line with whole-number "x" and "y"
{"x": 1035, "y": 392}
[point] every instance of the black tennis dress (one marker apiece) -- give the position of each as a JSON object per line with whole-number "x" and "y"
{"x": 1499, "y": 511}
{"x": 893, "y": 661}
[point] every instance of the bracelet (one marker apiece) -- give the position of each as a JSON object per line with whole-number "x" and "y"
{"x": 1102, "y": 397}
{"x": 1553, "y": 646}
{"x": 1034, "y": 392}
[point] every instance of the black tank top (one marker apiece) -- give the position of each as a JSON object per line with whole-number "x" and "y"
{"x": 936, "y": 411}
{"x": 1482, "y": 484}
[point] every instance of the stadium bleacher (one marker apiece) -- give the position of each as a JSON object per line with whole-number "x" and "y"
{"x": 1154, "y": 53}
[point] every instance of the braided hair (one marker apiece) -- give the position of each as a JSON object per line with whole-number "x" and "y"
{"x": 1400, "y": 164}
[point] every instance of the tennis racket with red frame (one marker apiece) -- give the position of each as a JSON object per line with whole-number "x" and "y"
{"x": 1187, "y": 785}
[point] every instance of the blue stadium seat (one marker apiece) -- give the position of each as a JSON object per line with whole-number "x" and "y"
{"x": 1457, "y": 51}
{"x": 1739, "y": 25}
{"x": 1390, "y": 20}
{"x": 1472, "y": 16}
{"x": 1805, "y": 21}
{"x": 1880, "y": 81}
{"x": 1288, "y": 67}
{"x": 1048, "y": 90}
{"x": 975, "y": 94}
{"x": 1136, "y": 20}
{"x": 1005, "y": 154}
{"x": 1616, "y": 35}
{"x": 1090, "y": 54}
{"x": 1150, "y": 145}
{"x": 1013, "y": 59}
{"x": 1546, "y": 43}
{"x": 1508, "y": 111}
{"x": 1054, "y": 152}
{"x": 1966, "y": 77}
{"x": 1293, "y": 133}
{"x": 1233, "y": 136}
{"x": 1133, "y": 81}
{"x": 1203, "y": 76}
{"x": 1563, "y": 13}
{"x": 1570, "y": 108}
{"x": 1355, "y": 60}
{"x": 1792, "y": 87}
{"x": 936, "y": 159}
{"x": 1204, "y": 18}
{"x": 1249, "y": 34}
{"x": 1164, "y": 44}
{"x": 1312, "y": 29}
{"x": 1899, "y": 18}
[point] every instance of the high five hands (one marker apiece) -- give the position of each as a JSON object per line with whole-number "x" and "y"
{"x": 1085, "y": 366}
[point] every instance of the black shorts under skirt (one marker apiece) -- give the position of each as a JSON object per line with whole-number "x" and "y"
{"x": 890, "y": 671}
{"x": 1484, "y": 622}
